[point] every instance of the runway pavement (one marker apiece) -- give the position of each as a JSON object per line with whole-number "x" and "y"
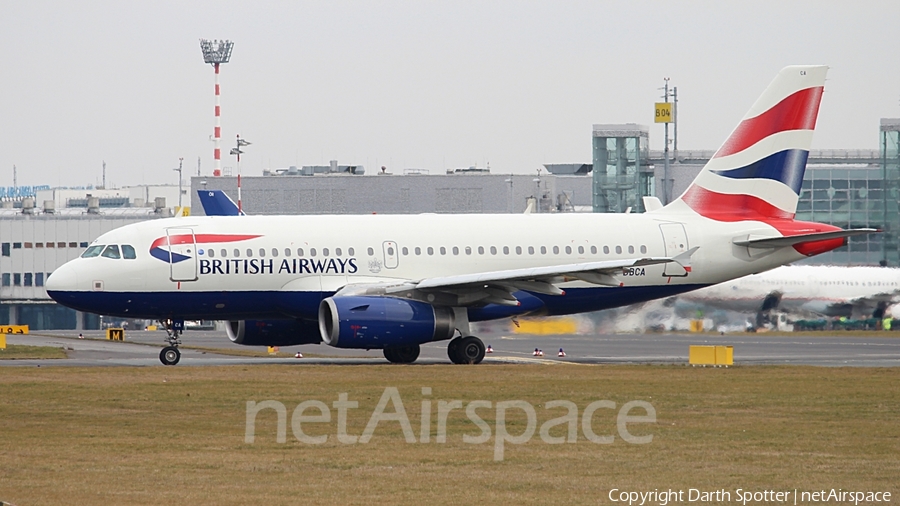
{"x": 142, "y": 348}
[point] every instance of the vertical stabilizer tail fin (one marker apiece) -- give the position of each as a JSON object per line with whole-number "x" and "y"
{"x": 217, "y": 203}
{"x": 756, "y": 174}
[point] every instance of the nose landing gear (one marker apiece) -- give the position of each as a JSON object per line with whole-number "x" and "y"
{"x": 170, "y": 355}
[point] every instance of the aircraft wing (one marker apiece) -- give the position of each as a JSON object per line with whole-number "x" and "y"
{"x": 499, "y": 287}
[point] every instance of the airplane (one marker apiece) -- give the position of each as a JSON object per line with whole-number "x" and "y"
{"x": 218, "y": 203}
{"x": 395, "y": 282}
{"x": 826, "y": 290}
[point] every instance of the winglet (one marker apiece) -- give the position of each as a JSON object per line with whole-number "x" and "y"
{"x": 684, "y": 259}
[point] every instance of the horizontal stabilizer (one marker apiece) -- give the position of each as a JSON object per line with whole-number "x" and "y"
{"x": 780, "y": 242}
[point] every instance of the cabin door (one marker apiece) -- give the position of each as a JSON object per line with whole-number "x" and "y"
{"x": 182, "y": 246}
{"x": 676, "y": 242}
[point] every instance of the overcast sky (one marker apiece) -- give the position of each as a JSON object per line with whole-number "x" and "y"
{"x": 418, "y": 84}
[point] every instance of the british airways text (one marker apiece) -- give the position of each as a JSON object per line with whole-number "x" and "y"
{"x": 268, "y": 266}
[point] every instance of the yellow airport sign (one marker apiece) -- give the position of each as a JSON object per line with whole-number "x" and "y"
{"x": 13, "y": 329}
{"x": 115, "y": 334}
{"x": 663, "y": 112}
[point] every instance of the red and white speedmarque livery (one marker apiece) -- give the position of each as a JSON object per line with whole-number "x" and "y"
{"x": 394, "y": 282}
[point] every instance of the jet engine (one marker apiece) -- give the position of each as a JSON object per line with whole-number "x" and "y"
{"x": 379, "y": 322}
{"x": 272, "y": 332}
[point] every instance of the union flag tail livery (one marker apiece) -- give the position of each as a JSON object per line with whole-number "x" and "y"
{"x": 395, "y": 282}
{"x": 756, "y": 174}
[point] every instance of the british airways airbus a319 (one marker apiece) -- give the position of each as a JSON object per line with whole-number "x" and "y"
{"x": 394, "y": 282}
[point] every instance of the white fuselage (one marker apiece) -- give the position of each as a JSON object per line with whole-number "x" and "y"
{"x": 821, "y": 289}
{"x": 279, "y": 256}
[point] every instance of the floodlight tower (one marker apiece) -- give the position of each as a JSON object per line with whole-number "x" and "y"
{"x": 217, "y": 52}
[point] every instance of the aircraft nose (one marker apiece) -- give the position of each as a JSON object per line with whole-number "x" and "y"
{"x": 63, "y": 279}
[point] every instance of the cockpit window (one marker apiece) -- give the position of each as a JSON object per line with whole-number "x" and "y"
{"x": 128, "y": 252}
{"x": 111, "y": 251}
{"x": 92, "y": 251}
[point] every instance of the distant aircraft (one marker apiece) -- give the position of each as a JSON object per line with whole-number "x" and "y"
{"x": 217, "y": 203}
{"x": 854, "y": 292}
{"x": 394, "y": 282}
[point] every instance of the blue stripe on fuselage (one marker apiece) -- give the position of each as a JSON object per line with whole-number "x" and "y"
{"x": 278, "y": 304}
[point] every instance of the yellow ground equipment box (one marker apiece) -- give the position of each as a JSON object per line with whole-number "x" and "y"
{"x": 115, "y": 334}
{"x": 696, "y": 325}
{"x": 711, "y": 355}
{"x": 546, "y": 326}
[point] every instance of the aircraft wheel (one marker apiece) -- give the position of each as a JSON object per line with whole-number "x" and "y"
{"x": 471, "y": 350}
{"x": 453, "y": 351}
{"x": 169, "y": 355}
{"x": 402, "y": 354}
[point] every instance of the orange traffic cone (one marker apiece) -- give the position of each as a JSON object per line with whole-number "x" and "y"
{"x": 561, "y": 353}
{"x": 489, "y": 349}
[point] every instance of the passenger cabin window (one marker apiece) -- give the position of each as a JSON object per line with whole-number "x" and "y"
{"x": 93, "y": 251}
{"x": 556, "y": 250}
{"x": 350, "y": 251}
{"x": 481, "y": 250}
{"x": 618, "y": 250}
{"x": 493, "y": 250}
{"x": 468, "y": 250}
{"x": 371, "y": 252}
{"x": 631, "y": 249}
{"x": 430, "y": 250}
{"x": 274, "y": 252}
{"x": 418, "y": 250}
{"x": 506, "y": 250}
{"x": 129, "y": 254}
{"x": 518, "y": 250}
{"x": 249, "y": 253}
{"x": 455, "y": 250}
{"x": 262, "y": 252}
{"x": 643, "y": 249}
{"x": 581, "y": 250}
{"x": 593, "y": 250}
{"x": 405, "y": 251}
{"x": 337, "y": 252}
{"x": 312, "y": 252}
{"x": 210, "y": 253}
{"x": 111, "y": 251}
{"x": 606, "y": 250}
{"x": 287, "y": 252}
{"x": 543, "y": 250}
{"x": 443, "y": 250}
{"x": 568, "y": 250}
{"x": 531, "y": 250}
{"x": 224, "y": 253}
{"x": 299, "y": 252}
{"x": 324, "y": 252}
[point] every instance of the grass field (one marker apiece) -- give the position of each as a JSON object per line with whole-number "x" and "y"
{"x": 21, "y": 351}
{"x": 176, "y": 435}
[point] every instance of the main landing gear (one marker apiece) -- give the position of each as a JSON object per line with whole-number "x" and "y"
{"x": 402, "y": 354}
{"x": 466, "y": 350}
{"x": 170, "y": 355}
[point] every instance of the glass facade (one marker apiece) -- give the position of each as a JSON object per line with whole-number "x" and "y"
{"x": 620, "y": 174}
{"x": 855, "y": 197}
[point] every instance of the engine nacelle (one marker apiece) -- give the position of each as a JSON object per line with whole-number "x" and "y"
{"x": 272, "y": 332}
{"x": 378, "y": 322}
